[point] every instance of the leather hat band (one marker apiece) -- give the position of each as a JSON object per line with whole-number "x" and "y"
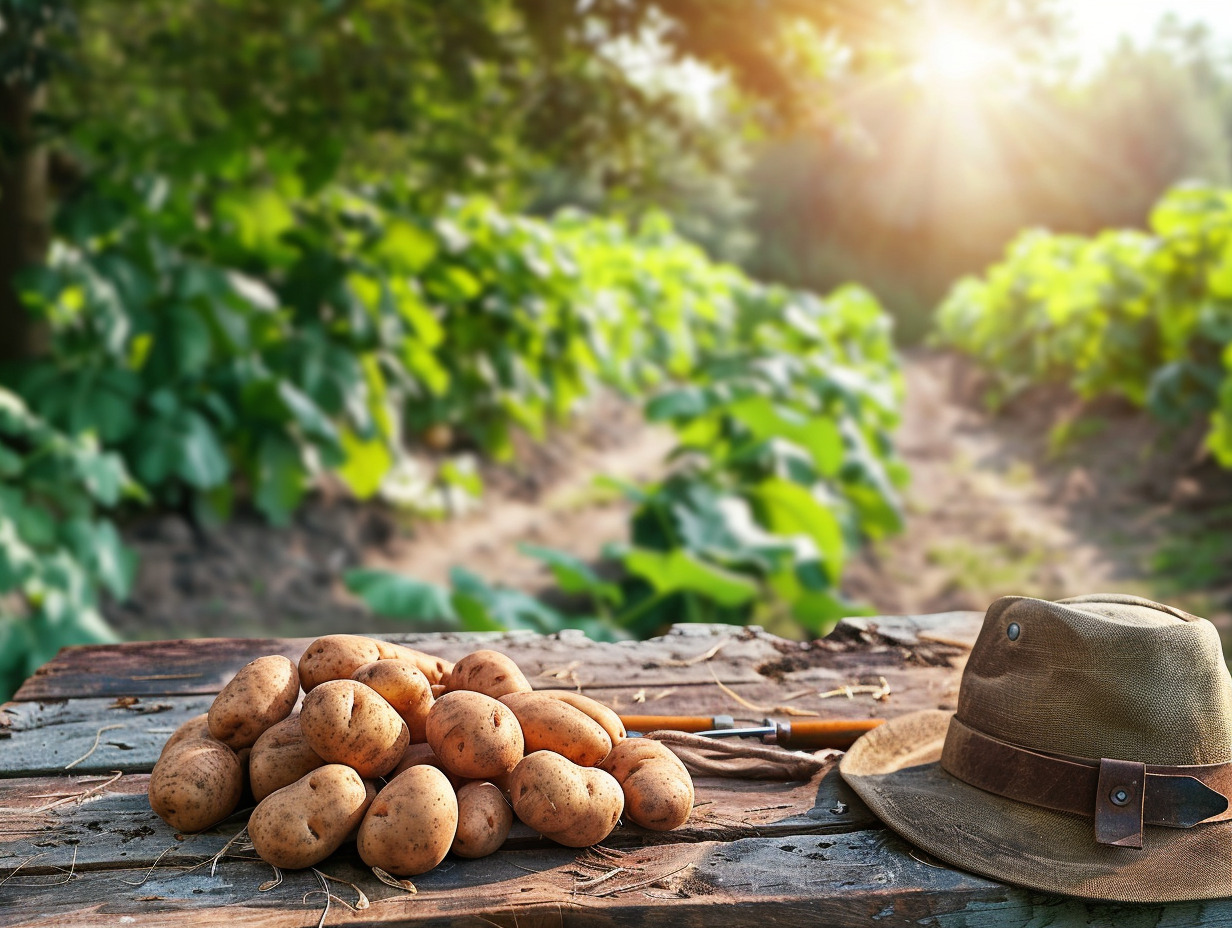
{"x": 1120, "y": 795}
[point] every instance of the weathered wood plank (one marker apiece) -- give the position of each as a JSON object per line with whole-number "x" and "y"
{"x": 52, "y": 823}
{"x": 43, "y": 736}
{"x": 861, "y": 878}
{"x": 747, "y": 655}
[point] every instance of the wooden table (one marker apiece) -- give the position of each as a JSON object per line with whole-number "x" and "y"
{"x": 79, "y": 844}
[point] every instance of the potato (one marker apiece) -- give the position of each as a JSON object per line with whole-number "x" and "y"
{"x": 474, "y": 735}
{"x": 657, "y": 786}
{"x": 488, "y": 672}
{"x": 574, "y": 806}
{"x": 260, "y": 695}
{"x": 196, "y": 784}
{"x": 422, "y": 754}
{"x": 349, "y": 723}
{"x": 404, "y": 687}
{"x": 610, "y": 721}
{"x": 411, "y": 824}
{"x": 301, "y": 824}
{"x": 279, "y": 758}
{"x": 439, "y": 690}
{"x": 337, "y": 657}
{"x": 551, "y": 724}
{"x": 436, "y": 669}
{"x": 196, "y": 727}
{"x": 484, "y": 820}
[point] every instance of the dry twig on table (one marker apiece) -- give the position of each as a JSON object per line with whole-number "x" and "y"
{"x": 97, "y": 737}
{"x": 153, "y": 866}
{"x": 360, "y": 904}
{"x": 771, "y": 710}
{"x": 568, "y": 672}
{"x": 271, "y": 884}
{"x": 390, "y": 880}
{"x": 879, "y": 692}
{"x": 78, "y": 798}
{"x": 649, "y": 881}
{"x": 696, "y": 659}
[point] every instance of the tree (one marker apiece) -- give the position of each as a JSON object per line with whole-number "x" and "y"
{"x": 25, "y": 61}
{"x": 452, "y": 96}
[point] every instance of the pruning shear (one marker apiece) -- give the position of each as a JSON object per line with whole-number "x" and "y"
{"x": 809, "y": 735}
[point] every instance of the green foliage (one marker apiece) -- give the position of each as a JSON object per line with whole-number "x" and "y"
{"x": 56, "y": 554}
{"x": 282, "y": 334}
{"x": 783, "y": 405}
{"x": 1147, "y": 317}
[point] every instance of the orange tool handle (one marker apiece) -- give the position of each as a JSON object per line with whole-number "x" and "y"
{"x": 644, "y": 723}
{"x": 840, "y": 733}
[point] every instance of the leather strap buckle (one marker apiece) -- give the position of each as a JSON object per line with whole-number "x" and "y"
{"x": 1120, "y": 796}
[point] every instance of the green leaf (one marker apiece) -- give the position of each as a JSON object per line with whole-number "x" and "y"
{"x": 678, "y": 571}
{"x": 400, "y": 597}
{"x": 406, "y": 248}
{"x": 787, "y": 508}
{"x": 365, "y": 463}
{"x": 573, "y": 575}
{"x": 308, "y": 414}
{"x": 201, "y": 461}
{"x": 99, "y": 548}
{"x": 281, "y": 478}
{"x": 821, "y": 437}
{"x": 483, "y": 607}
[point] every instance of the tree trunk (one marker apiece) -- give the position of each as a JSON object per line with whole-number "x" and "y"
{"x": 25, "y": 230}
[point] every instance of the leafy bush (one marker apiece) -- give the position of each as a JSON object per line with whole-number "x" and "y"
{"x": 56, "y": 553}
{"x": 1144, "y": 316}
{"x": 249, "y": 337}
{"x": 783, "y": 468}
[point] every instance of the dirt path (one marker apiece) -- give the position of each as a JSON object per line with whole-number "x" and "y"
{"x": 1050, "y": 498}
{"x": 997, "y": 505}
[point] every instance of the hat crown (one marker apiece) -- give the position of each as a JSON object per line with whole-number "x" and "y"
{"x": 1100, "y": 677}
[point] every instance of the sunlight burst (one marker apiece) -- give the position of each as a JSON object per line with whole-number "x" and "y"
{"x": 953, "y": 55}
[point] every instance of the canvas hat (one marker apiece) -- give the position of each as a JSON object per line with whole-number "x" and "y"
{"x": 1090, "y": 754}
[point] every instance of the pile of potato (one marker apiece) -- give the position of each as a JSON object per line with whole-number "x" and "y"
{"x": 410, "y": 756}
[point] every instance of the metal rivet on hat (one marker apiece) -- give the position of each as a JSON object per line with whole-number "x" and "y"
{"x": 1013, "y": 631}
{"x": 1119, "y": 796}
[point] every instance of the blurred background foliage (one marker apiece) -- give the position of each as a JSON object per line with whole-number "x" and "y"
{"x": 245, "y": 244}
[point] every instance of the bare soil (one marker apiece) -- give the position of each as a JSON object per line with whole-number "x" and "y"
{"x": 1051, "y": 497}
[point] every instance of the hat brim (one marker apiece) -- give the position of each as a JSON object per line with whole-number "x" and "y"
{"x": 896, "y": 770}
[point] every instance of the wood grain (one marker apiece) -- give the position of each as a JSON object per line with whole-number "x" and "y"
{"x": 78, "y": 847}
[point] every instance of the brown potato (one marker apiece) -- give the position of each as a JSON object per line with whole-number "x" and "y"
{"x": 551, "y": 724}
{"x": 196, "y": 784}
{"x": 411, "y": 823}
{"x": 657, "y": 786}
{"x": 349, "y": 723}
{"x": 196, "y": 727}
{"x": 422, "y": 754}
{"x": 404, "y": 687}
{"x": 474, "y": 735}
{"x": 574, "y": 806}
{"x": 484, "y": 819}
{"x": 301, "y": 824}
{"x": 439, "y": 690}
{"x": 436, "y": 669}
{"x": 279, "y": 758}
{"x": 488, "y": 672}
{"x": 261, "y": 694}
{"x": 337, "y": 657}
{"x": 610, "y": 721}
